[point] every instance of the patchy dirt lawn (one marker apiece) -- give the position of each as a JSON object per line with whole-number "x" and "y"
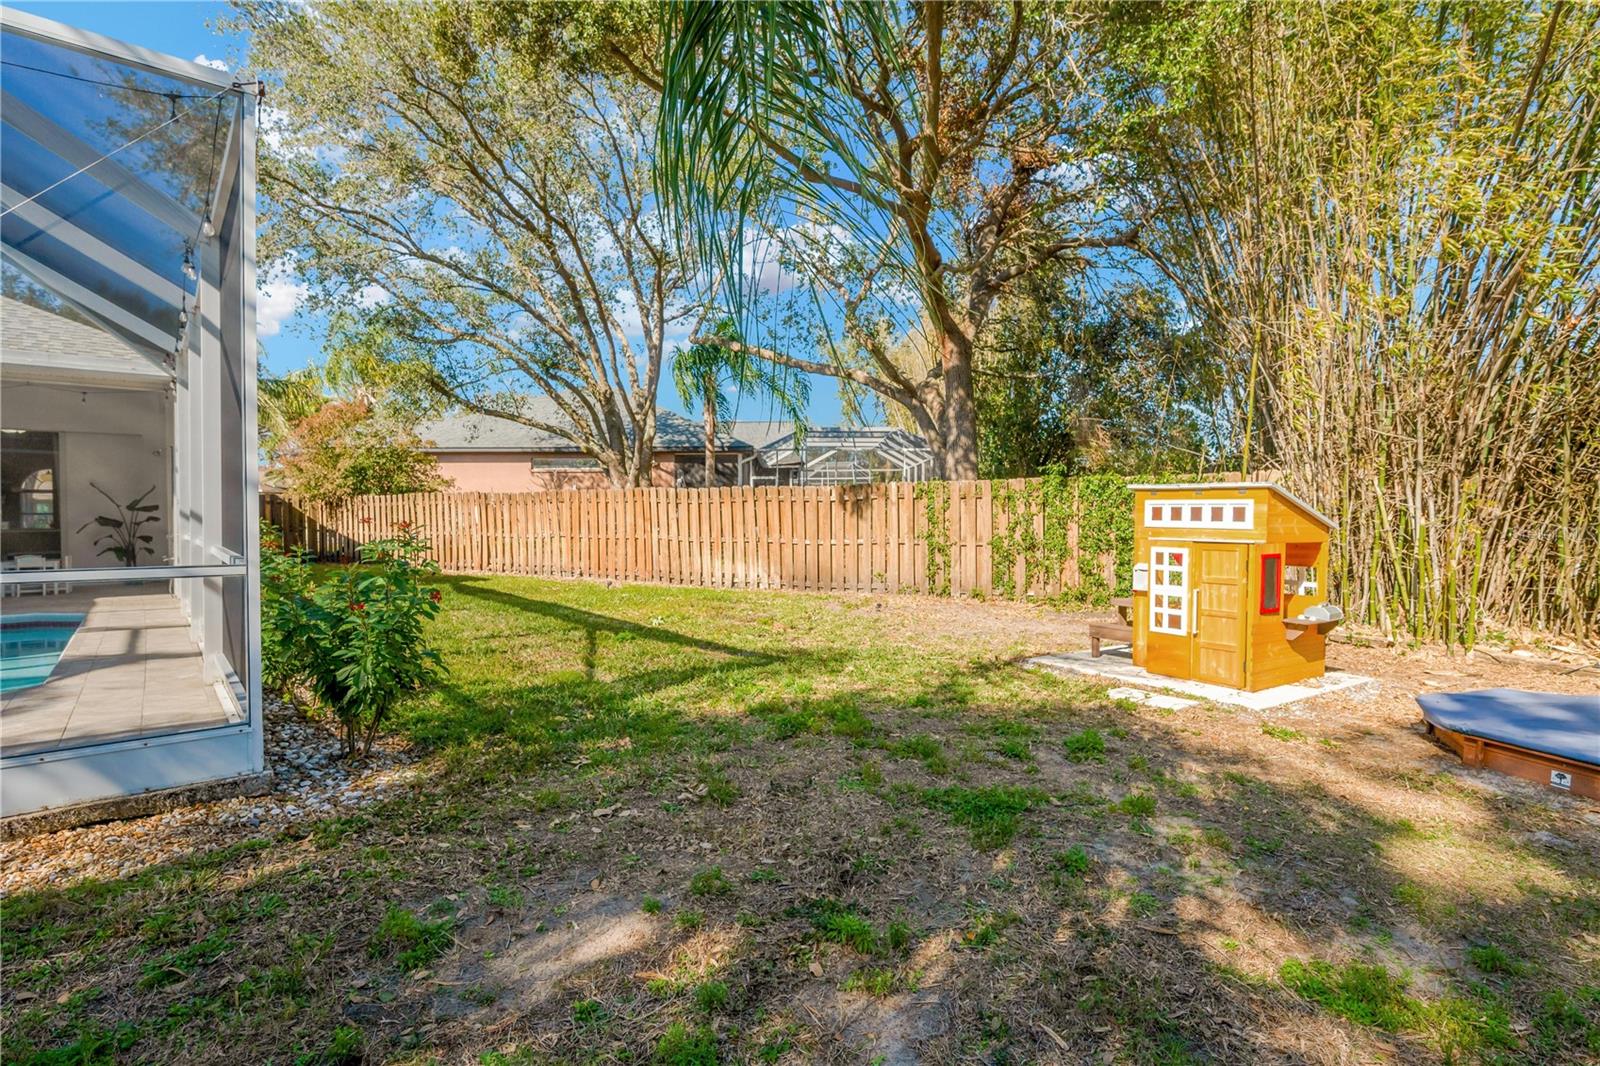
{"x": 684, "y": 826}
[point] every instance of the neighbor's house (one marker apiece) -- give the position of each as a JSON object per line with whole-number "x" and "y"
{"x": 128, "y": 365}
{"x": 481, "y": 453}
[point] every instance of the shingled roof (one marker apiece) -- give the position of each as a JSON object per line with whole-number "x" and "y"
{"x": 39, "y": 344}
{"x": 464, "y": 431}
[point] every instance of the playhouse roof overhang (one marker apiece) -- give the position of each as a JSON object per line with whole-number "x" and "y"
{"x": 1271, "y": 486}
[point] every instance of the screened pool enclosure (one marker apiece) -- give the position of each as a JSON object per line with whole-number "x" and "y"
{"x": 129, "y": 639}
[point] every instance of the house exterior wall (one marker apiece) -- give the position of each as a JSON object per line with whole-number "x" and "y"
{"x": 116, "y": 438}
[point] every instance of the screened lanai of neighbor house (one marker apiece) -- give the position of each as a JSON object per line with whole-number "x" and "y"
{"x": 831, "y": 455}
{"x": 129, "y": 625}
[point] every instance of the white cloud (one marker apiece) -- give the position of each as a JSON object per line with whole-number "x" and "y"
{"x": 278, "y": 296}
{"x": 765, "y": 253}
{"x": 629, "y": 319}
{"x": 272, "y": 124}
{"x": 206, "y": 61}
{"x": 372, "y": 296}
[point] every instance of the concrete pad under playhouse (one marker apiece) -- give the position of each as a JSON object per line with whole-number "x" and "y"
{"x": 1116, "y": 665}
{"x": 1152, "y": 699}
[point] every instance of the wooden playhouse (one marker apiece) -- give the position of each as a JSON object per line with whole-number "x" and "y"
{"x": 1230, "y": 584}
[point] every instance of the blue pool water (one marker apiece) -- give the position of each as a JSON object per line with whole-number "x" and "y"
{"x": 30, "y": 644}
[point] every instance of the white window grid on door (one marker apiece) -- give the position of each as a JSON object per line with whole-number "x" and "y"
{"x": 1169, "y": 590}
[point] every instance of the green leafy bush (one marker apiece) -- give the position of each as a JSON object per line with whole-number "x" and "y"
{"x": 354, "y": 639}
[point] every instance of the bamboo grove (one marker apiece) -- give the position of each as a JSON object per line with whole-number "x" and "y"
{"x": 1385, "y": 216}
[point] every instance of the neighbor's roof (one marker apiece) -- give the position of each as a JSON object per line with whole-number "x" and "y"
{"x": 760, "y": 433}
{"x": 1192, "y": 486}
{"x": 37, "y": 344}
{"x": 468, "y": 432}
{"x": 897, "y": 445}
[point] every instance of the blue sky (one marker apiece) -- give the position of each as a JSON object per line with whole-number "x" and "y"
{"x": 289, "y": 337}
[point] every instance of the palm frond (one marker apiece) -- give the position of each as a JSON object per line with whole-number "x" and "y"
{"x": 751, "y": 133}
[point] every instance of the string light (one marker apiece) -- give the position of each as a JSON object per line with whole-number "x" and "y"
{"x": 188, "y": 261}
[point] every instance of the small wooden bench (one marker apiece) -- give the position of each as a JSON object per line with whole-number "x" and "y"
{"x": 1117, "y": 632}
{"x": 1112, "y": 631}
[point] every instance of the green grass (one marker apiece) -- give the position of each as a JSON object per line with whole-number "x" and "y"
{"x": 993, "y": 814}
{"x": 1280, "y": 732}
{"x": 711, "y": 996}
{"x": 505, "y": 897}
{"x": 1368, "y": 994}
{"x": 1087, "y": 746}
{"x": 987, "y": 930}
{"x": 1363, "y": 993}
{"x": 682, "y": 1046}
{"x": 712, "y": 882}
{"x": 589, "y": 1014}
{"x": 838, "y": 924}
{"x": 794, "y": 735}
{"x": 1139, "y": 807}
{"x": 412, "y": 942}
{"x": 1073, "y": 864}
{"x": 1491, "y": 959}
{"x": 1014, "y": 748}
{"x": 838, "y": 715}
{"x": 925, "y": 748}
{"x": 877, "y": 981}
{"x": 1143, "y": 904}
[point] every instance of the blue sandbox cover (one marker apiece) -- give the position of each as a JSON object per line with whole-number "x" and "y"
{"x": 1568, "y": 726}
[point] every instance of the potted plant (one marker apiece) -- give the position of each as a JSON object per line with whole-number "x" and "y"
{"x": 124, "y": 537}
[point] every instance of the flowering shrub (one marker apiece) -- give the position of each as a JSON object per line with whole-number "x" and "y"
{"x": 355, "y": 638}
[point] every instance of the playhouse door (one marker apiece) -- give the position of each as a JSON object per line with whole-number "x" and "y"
{"x": 1219, "y": 630}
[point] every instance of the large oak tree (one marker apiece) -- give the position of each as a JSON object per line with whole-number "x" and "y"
{"x": 493, "y": 220}
{"x": 905, "y": 162}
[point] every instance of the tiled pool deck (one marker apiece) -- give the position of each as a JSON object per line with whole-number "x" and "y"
{"x": 131, "y": 670}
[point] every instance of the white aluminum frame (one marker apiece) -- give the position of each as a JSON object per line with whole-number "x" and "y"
{"x": 95, "y": 771}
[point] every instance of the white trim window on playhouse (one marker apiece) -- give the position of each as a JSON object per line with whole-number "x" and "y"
{"x": 1200, "y": 514}
{"x": 1169, "y": 590}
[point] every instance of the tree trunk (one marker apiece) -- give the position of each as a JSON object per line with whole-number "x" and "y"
{"x": 958, "y": 417}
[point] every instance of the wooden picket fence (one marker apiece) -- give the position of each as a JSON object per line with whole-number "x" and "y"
{"x": 930, "y": 538}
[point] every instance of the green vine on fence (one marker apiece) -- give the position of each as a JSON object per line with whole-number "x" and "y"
{"x": 1033, "y": 524}
{"x": 1105, "y": 527}
{"x": 1018, "y": 540}
{"x": 935, "y": 497}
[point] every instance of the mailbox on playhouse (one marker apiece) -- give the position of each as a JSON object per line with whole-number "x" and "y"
{"x": 1230, "y": 584}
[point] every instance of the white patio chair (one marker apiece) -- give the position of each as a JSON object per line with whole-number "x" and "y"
{"x": 32, "y": 563}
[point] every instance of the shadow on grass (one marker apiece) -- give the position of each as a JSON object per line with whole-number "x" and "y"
{"x": 560, "y": 709}
{"x": 1029, "y": 951}
{"x": 593, "y": 623}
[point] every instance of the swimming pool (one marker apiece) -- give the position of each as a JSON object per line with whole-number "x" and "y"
{"x": 30, "y": 644}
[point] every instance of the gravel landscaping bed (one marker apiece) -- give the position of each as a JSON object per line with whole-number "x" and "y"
{"x": 311, "y": 780}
